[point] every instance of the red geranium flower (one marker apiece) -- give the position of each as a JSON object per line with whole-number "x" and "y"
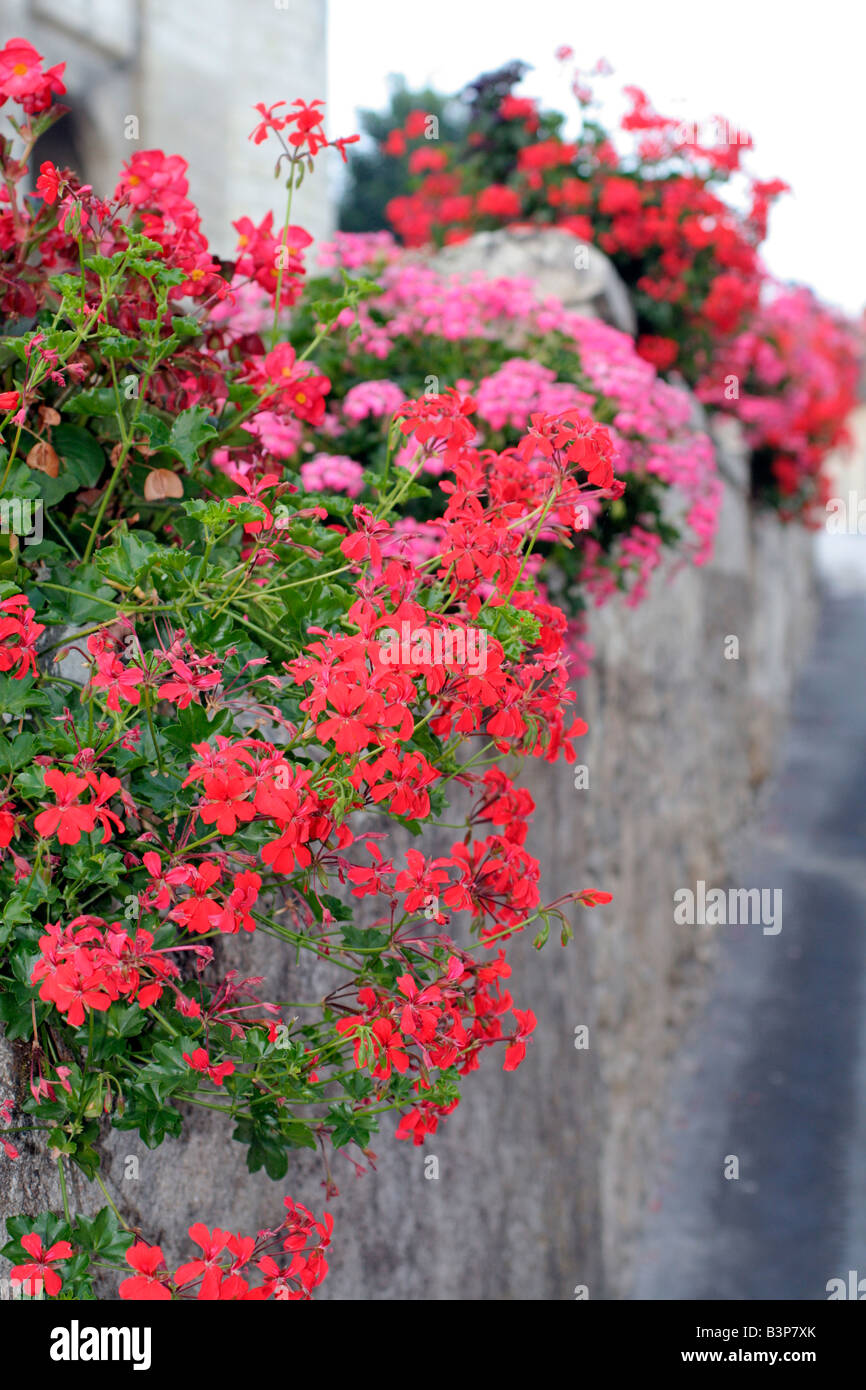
{"x": 38, "y": 1270}
{"x": 147, "y": 1284}
{"x": 68, "y": 820}
{"x": 48, "y": 183}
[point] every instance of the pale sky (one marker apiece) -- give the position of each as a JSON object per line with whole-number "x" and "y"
{"x": 790, "y": 73}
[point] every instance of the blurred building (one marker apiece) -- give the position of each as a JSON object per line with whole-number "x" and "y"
{"x": 189, "y": 72}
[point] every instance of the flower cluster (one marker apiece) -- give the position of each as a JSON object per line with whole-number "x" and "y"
{"x": 651, "y": 196}
{"x": 425, "y": 319}
{"x": 242, "y": 655}
{"x": 285, "y": 1264}
{"x": 91, "y": 964}
{"x": 653, "y": 209}
{"x": 795, "y": 377}
{"x": 22, "y": 79}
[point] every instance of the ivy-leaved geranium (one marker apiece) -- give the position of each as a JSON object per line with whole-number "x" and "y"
{"x": 225, "y": 689}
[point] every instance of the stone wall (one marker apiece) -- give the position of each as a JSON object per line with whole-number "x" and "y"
{"x": 543, "y": 1172}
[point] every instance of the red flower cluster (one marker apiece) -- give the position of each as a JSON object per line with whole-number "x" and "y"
{"x": 156, "y": 187}
{"x": 262, "y": 254}
{"x": 674, "y": 239}
{"x": 358, "y": 729}
{"x": 37, "y": 1272}
{"x": 18, "y": 636}
{"x": 248, "y": 778}
{"x": 307, "y": 138}
{"x": 22, "y": 78}
{"x": 227, "y": 1263}
{"x": 69, "y": 819}
{"x": 291, "y": 387}
{"x": 189, "y": 676}
{"x": 91, "y": 963}
{"x": 797, "y": 370}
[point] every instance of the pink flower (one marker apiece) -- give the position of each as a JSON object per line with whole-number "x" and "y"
{"x": 372, "y": 398}
{"x": 332, "y": 473}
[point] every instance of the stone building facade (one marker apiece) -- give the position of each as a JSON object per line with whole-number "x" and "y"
{"x": 190, "y": 74}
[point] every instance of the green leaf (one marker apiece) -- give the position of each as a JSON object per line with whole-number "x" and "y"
{"x": 119, "y": 347}
{"x": 349, "y": 1126}
{"x": 17, "y": 752}
{"x": 154, "y": 427}
{"x": 100, "y": 401}
{"x": 82, "y": 454}
{"x": 297, "y": 1135}
{"x": 185, "y": 326}
{"x": 105, "y": 266}
{"x": 102, "y": 1235}
{"x": 189, "y": 432}
{"x": 19, "y": 697}
{"x": 135, "y": 555}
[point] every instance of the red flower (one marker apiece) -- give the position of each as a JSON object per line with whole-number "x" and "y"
{"x": 18, "y": 635}
{"x": 382, "y": 1046}
{"x": 305, "y": 396}
{"x": 519, "y": 109}
{"x": 395, "y": 144}
{"x": 239, "y": 904}
{"x": 187, "y": 685}
{"x": 620, "y": 196}
{"x": 516, "y": 1050}
{"x": 353, "y": 720}
{"x": 48, "y": 183}
{"x": 105, "y": 787}
{"x": 308, "y": 137}
{"x": 268, "y": 122}
{"x": 217, "y": 1071}
{"x": 68, "y": 820}
{"x": 497, "y": 200}
{"x": 38, "y": 1271}
{"x": 426, "y": 160}
{"x": 420, "y": 1016}
{"x": 200, "y": 913}
{"x": 437, "y": 421}
{"x": 77, "y": 985}
{"x": 226, "y": 804}
{"x": 661, "y": 352}
{"x": 299, "y": 391}
{"x": 147, "y": 1285}
{"x": 415, "y": 124}
{"x": 120, "y": 681}
{"x": 212, "y": 1245}
{"x": 22, "y": 78}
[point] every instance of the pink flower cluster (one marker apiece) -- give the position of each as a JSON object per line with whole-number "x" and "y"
{"x": 653, "y": 427}
{"x": 522, "y": 387}
{"x": 332, "y": 473}
{"x": 792, "y": 381}
{"x": 358, "y": 250}
{"x": 376, "y": 399}
{"x": 640, "y": 555}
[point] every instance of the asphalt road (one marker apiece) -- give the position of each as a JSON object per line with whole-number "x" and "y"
{"x": 774, "y": 1069}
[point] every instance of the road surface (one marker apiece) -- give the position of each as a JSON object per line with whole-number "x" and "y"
{"x": 774, "y": 1070}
